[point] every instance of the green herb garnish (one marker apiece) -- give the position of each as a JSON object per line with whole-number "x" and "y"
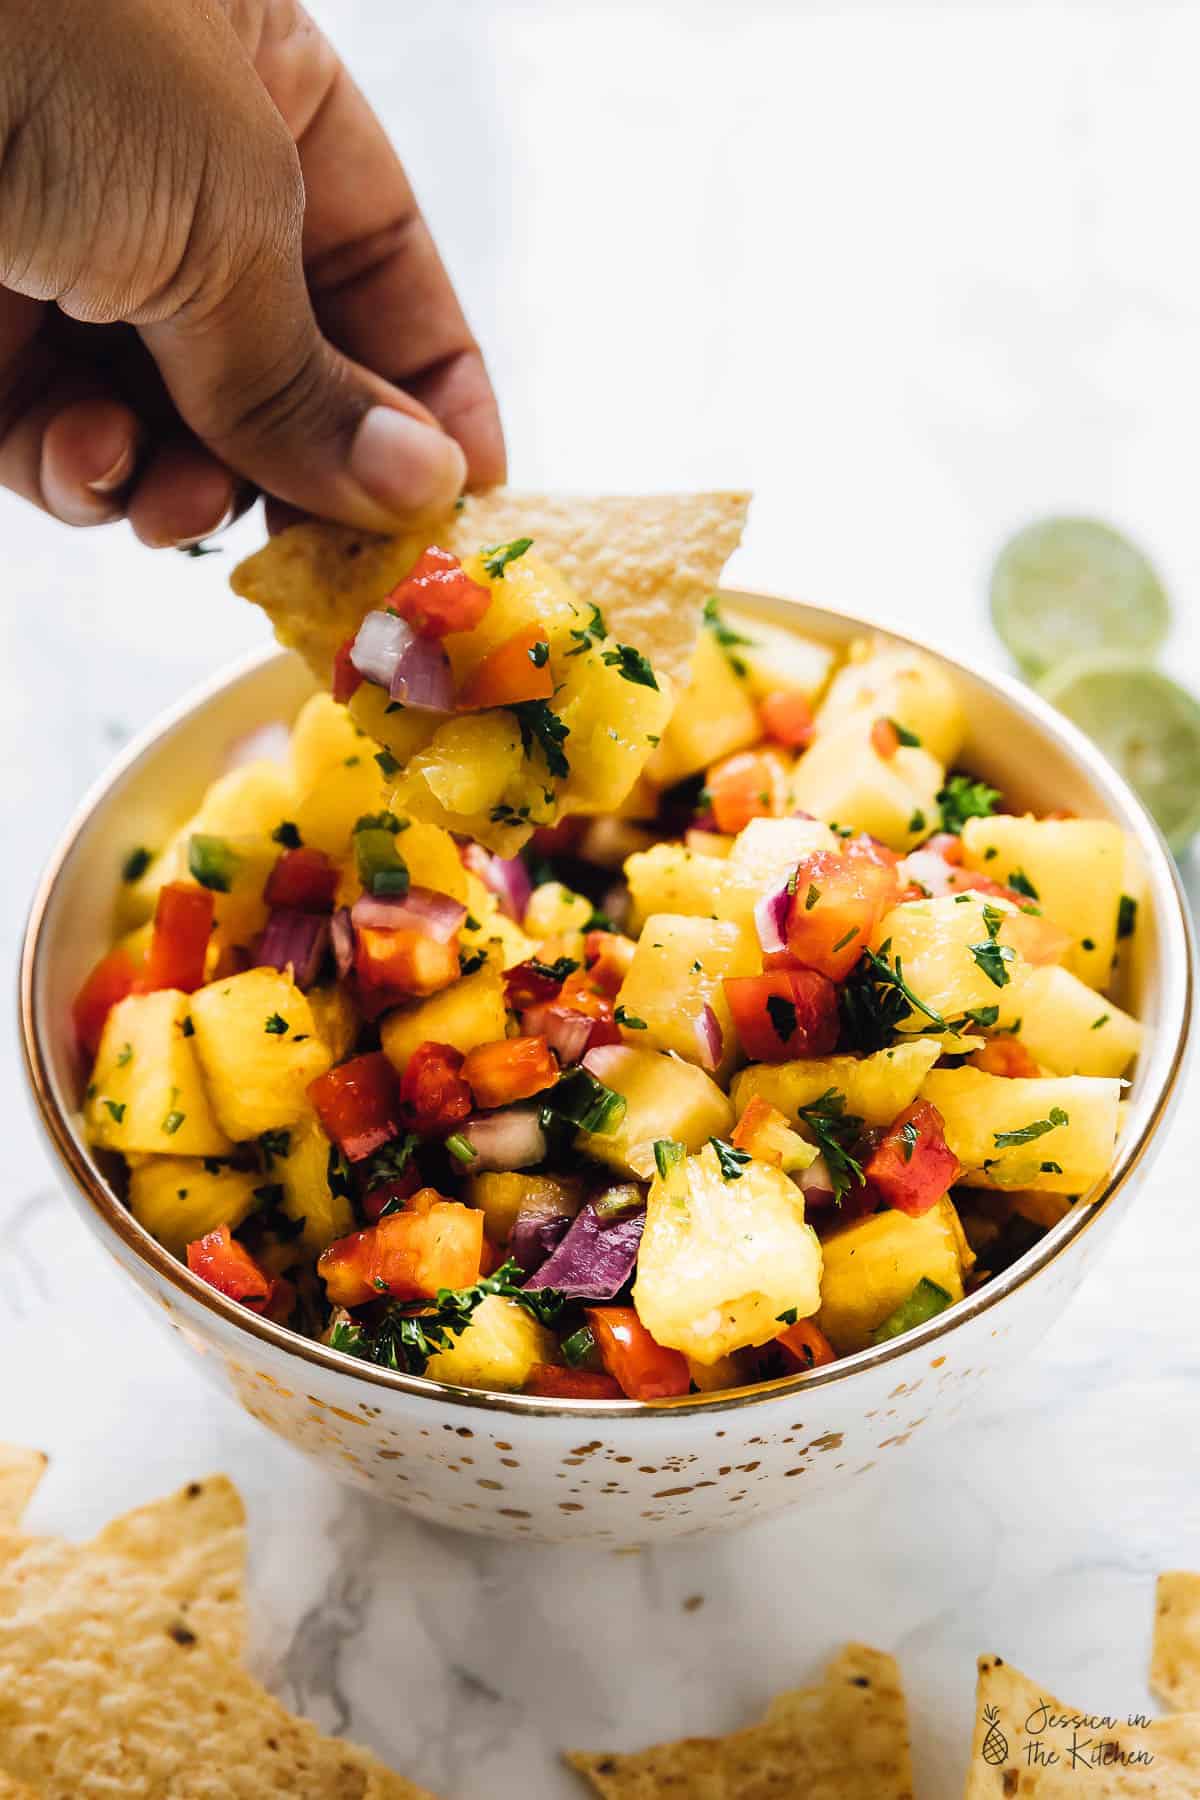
{"x": 731, "y": 1160}
{"x": 782, "y": 1014}
{"x": 835, "y": 1130}
{"x": 544, "y": 728}
{"x": 212, "y": 862}
{"x": 632, "y": 665}
{"x": 1025, "y": 1134}
{"x": 962, "y": 799}
{"x": 288, "y": 835}
{"x": 276, "y": 1025}
{"x": 136, "y": 864}
{"x": 497, "y": 559}
{"x": 628, "y": 1020}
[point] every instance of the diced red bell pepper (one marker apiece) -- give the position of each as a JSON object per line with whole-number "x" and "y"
{"x": 945, "y": 845}
{"x": 516, "y": 670}
{"x": 788, "y": 718}
{"x": 530, "y": 984}
{"x": 437, "y": 595}
{"x": 1005, "y": 1055}
{"x": 183, "y": 922}
{"x": 757, "y": 1132}
{"x": 305, "y": 879}
{"x": 346, "y": 678}
{"x": 885, "y": 739}
{"x": 358, "y": 1104}
{"x": 553, "y": 1382}
{"x": 404, "y": 963}
{"x": 913, "y": 1166}
{"x": 560, "y": 839}
{"x": 643, "y": 1369}
{"x": 110, "y": 981}
{"x": 591, "y": 990}
{"x": 228, "y": 1266}
{"x": 750, "y": 784}
{"x": 783, "y": 1014}
{"x": 433, "y": 1243}
{"x": 839, "y": 898}
{"x": 433, "y": 1094}
{"x": 509, "y": 1069}
{"x": 384, "y": 1192}
{"x": 1034, "y": 936}
{"x": 805, "y": 1346}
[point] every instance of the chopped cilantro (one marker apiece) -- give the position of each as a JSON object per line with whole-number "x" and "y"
{"x": 136, "y": 864}
{"x": 387, "y": 763}
{"x": 595, "y": 631}
{"x": 539, "y": 654}
{"x": 632, "y": 665}
{"x": 812, "y": 896}
{"x": 835, "y": 1131}
{"x": 962, "y": 799}
{"x": 1126, "y": 915}
{"x": 125, "y": 1055}
{"x": 212, "y": 862}
{"x": 782, "y": 1014}
{"x": 918, "y": 821}
{"x": 908, "y": 739}
{"x": 788, "y": 1316}
{"x": 1020, "y": 883}
{"x": 498, "y": 557}
{"x": 1087, "y": 943}
{"x": 731, "y": 1161}
{"x": 273, "y": 1144}
{"x": 628, "y": 1020}
{"x": 875, "y": 999}
{"x": 668, "y": 1155}
{"x": 1025, "y": 1134}
{"x": 288, "y": 835}
{"x": 469, "y": 961}
{"x": 411, "y": 1331}
{"x": 544, "y": 728}
{"x": 1102, "y": 1020}
{"x": 117, "y": 1109}
{"x": 1051, "y": 1168}
{"x": 558, "y": 970}
{"x": 910, "y": 1137}
{"x": 276, "y": 1025}
{"x": 992, "y": 958}
{"x": 172, "y": 1122}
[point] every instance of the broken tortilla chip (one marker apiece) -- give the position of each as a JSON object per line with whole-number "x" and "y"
{"x": 647, "y": 562}
{"x": 1033, "y": 1746}
{"x": 844, "y": 1739}
{"x": 20, "y": 1472}
{"x": 1175, "y": 1665}
{"x": 117, "y": 1673}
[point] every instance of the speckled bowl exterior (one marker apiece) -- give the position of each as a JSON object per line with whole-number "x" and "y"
{"x": 611, "y": 1473}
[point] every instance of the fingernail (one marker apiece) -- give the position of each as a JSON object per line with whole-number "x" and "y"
{"x": 118, "y": 475}
{"x": 405, "y": 465}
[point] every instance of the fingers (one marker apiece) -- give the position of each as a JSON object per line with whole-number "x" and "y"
{"x": 380, "y": 289}
{"x": 183, "y": 495}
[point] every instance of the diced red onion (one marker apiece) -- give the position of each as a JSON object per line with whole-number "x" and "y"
{"x": 710, "y": 1039}
{"x": 510, "y": 1139}
{"x": 342, "y": 937}
{"x": 295, "y": 940}
{"x": 422, "y": 909}
{"x": 568, "y": 1033}
{"x": 421, "y": 679}
{"x": 534, "y": 1236}
{"x": 930, "y": 871}
{"x": 504, "y": 876}
{"x": 379, "y": 643}
{"x": 594, "y": 1260}
{"x": 771, "y": 919}
{"x": 816, "y": 1182}
{"x": 266, "y": 743}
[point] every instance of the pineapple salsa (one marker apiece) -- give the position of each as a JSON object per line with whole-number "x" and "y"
{"x": 537, "y": 1028}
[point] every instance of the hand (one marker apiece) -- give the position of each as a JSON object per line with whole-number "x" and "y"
{"x": 213, "y": 273}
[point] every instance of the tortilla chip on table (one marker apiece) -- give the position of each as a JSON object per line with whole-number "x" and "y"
{"x": 1175, "y": 1667}
{"x": 846, "y": 1738}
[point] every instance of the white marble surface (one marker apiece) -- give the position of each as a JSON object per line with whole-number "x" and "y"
{"x": 915, "y": 272}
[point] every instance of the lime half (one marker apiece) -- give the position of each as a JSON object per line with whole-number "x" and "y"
{"x": 1064, "y": 587}
{"x": 1146, "y": 725}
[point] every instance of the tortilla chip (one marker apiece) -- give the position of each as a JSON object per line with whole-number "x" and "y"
{"x": 20, "y": 1472}
{"x": 647, "y": 562}
{"x": 15, "y": 1790}
{"x": 1175, "y": 1666}
{"x": 1031, "y": 1745}
{"x": 116, "y": 1675}
{"x": 845, "y": 1739}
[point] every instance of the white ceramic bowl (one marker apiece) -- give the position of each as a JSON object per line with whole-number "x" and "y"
{"x": 604, "y": 1472}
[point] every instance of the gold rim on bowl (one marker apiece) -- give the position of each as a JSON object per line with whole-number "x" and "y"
{"x": 1175, "y": 933}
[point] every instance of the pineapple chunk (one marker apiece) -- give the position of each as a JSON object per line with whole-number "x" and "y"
{"x": 935, "y": 943}
{"x": 613, "y": 724}
{"x": 178, "y": 1199}
{"x": 554, "y": 909}
{"x": 336, "y": 1019}
{"x": 257, "y": 1077}
{"x": 717, "y": 1377}
{"x": 401, "y": 732}
{"x": 499, "y": 938}
{"x": 303, "y": 1174}
{"x": 670, "y": 879}
{"x": 498, "y": 1349}
{"x": 881, "y": 679}
{"x": 241, "y": 913}
{"x": 877, "y": 1088}
{"x": 1067, "y": 1027}
{"x": 1076, "y": 866}
{"x": 147, "y": 1093}
{"x": 843, "y": 778}
{"x": 1064, "y": 1158}
{"x": 872, "y": 1266}
{"x": 677, "y": 976}
{"x": 501, "y": 1196}
{"x": 664, "y": 1098}
{"x": 335, "y": 775}
{"x": 433, "y": 860}
{"x": 471, "y": 1012}
{"x": 247, "y": 803}
{"x": 763, "y": 855}
{"x": 714, "y": 716}
{"x": 529, "y": 592}
{"x": 774, "y": 657}
{"x": 721, "y": 1261}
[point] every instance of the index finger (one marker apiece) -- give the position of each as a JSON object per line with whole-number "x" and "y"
{"x": 379, "y": 288}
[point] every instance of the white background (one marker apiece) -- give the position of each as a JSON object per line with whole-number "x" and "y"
{"x": 914, "y": 273}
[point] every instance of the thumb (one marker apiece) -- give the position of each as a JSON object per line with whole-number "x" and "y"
{"x": 251, "y": 373}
